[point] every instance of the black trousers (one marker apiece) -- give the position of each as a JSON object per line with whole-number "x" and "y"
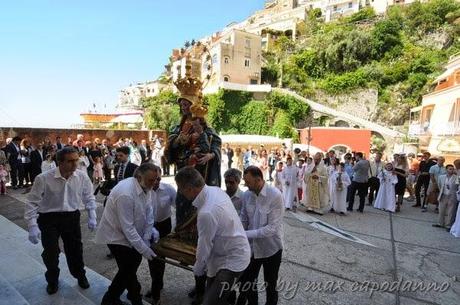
{"x": 373, "y": 188}
{"x": 248, "y": 288}
{"x": 65, "y": 225}
{"x": 14, "y": 173}
{"x": 349, "y": 195}
{"x": 218, "y": 288}
{"x": 107, "y": 173}
{"x": 157, "y": 267}
{"x": 421, "y": 181}
{"x": 128, "y": 261}
{"x": 21, "y": 174}
{"x": 362, "y": 193}
{"x": 34, "y": 173}
{"x": 270, "y": 171}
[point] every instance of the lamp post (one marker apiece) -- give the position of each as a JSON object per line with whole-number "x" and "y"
{"x": 309, "y": 137}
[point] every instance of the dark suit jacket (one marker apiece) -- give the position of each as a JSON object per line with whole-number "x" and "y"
{"x": 129, "y": 171}
{"x": 12, "y": 153}
{"x": 36, "y": 161}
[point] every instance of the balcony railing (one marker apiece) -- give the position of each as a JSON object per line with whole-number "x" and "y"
{"x": 441, "y": 129}
{"x": 417, "y": 129}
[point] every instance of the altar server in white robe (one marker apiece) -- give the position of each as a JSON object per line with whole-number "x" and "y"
{"x": 289, "y": 180}
{"x": 339, "y": 183}
{"x": 386, "y": 197}
{"x": 331, "y": 170}
{"x": 277, "y": 176}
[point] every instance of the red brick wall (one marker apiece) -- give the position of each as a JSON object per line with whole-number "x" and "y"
{"x": 39, "y": 134}
{"x": 326, "y": 137}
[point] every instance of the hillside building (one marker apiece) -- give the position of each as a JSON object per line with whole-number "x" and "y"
{"x": 436, "y": 123}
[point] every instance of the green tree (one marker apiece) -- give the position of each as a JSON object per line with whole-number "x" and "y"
{"x": 253, "y": 118}
{"x": 363, "y": 14}
{"x": 282, "y": 126}
{"x": 385, "y": 37}
{"x": 224, "y": 108}
{"x": 161, "y": 111}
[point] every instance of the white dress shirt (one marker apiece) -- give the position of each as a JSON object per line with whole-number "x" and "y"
{"x": 222, "y": 242}
{"x": 128, "y": 217}
{"x": 262, "y": 217}
{"x": 53, "y": 193}
{"x": 162, "y": 201}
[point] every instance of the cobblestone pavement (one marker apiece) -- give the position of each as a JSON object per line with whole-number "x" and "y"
{"x": 323, "y": 268}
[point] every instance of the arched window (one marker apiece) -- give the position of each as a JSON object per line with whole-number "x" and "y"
{"x": 226, "y": 59}
{"x": 226, "y": 78}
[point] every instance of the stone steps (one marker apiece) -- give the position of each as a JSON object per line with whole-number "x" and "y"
{"x": 22, "y": 279}
{"x": 9, "y": 294}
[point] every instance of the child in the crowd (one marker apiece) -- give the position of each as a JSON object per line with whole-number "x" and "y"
{"x": 300, "y": 166}
{"x": 98, "y": 173}
{"x": 340, "y": 182}
{"x": 3, "y": 177}
{"x": 386, "y": 197}
{"x": 277, "y": 176}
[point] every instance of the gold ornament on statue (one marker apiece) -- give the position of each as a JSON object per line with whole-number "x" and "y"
{"x": 191, "y": 85}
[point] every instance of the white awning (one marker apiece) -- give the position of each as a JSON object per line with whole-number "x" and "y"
{"x": 128, "y": 119}
{"x": 252, "y": 139}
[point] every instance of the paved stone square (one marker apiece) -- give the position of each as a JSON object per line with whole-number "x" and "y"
{"x": 323, "y": 268}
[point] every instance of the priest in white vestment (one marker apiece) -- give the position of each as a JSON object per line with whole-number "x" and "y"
{"x": 316, "y": 180}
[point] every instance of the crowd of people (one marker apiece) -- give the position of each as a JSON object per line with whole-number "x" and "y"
{"x": 21, "y": 162}
{"x": 330, "y": 182}
{"x": 239, "y": 232}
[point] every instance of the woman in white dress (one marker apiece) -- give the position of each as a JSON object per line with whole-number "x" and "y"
{"x": 386, "y": 197}
{"x": 338, "y": 183}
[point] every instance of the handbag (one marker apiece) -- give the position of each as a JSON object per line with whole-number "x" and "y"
{"x": 373, "y": 181}
{"x": 432, "y": 197}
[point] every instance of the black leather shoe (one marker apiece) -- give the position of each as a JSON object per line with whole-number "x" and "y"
{"x": 52, "y": 288}
{"x": 83, "y": 282}
{"x": 192, "y": 293}
{"x": 198, "y": 300}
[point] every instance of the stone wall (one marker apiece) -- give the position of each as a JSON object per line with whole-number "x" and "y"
{"x": 362, "y": 103}
{"x": 39, "y": 134}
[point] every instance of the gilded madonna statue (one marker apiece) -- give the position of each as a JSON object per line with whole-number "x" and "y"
{"x": 191, "y": 143}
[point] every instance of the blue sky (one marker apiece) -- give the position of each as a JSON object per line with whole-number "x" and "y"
{"x": 59, "y": 57}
